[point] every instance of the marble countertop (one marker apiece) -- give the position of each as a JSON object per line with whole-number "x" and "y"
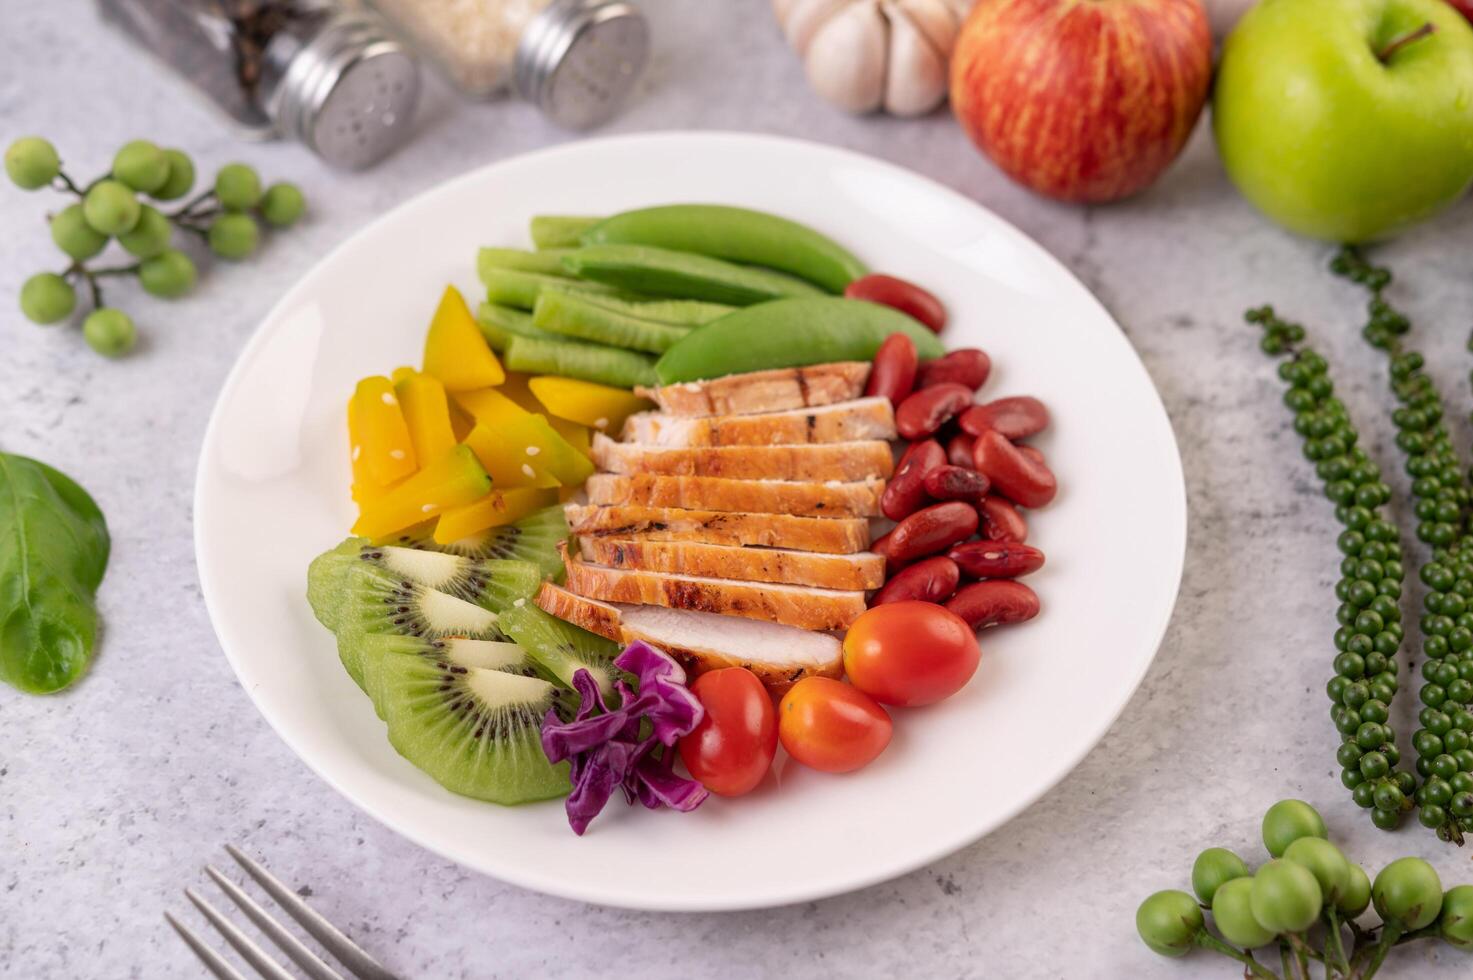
{"x": 113, "y": 795}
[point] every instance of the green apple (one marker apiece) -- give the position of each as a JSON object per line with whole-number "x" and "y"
{"x": 1347, "y": 120}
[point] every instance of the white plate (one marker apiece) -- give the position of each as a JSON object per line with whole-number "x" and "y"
{"x": 273, "y": 491}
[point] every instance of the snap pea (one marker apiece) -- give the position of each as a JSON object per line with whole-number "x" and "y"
{"x": 679, "y": 312}
{"x": 549, "y": 262}
{"x": 501, "y": 323}
{"x": 575, "y": 359}
{"x": 790, "y": 333}
{"x": 560, "y": 230}
{"x": 568, "y": 313}
{"x": 513, "y": 287}
{"x": 735, "y": 234}
{"x": 682, "y": 275}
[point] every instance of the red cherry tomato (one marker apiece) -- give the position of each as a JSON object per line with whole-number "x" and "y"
{"x": 732, "y": 748}
{"x": 831, "y": 726}
{"x": 910, "y": 653}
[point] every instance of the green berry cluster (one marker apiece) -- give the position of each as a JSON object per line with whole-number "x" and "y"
{"x": 1371, "y": 574}
{"x": 1304, "y": 901}
{"x": 225, "y": 217}
{"x": 1444, "y": 743}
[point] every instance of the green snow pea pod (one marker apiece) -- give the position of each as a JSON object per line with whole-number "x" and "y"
{"x": 790, "y": 333}
{"x": 735, "y": 234}
{"x": 681, "y": 275}
{"x": 559, "y": 230}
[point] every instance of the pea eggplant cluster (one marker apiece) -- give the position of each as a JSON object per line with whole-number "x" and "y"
{"x": 1372, "y": 573}
{"x": 1307, "y": 901}
{"x": 224, "y": 217}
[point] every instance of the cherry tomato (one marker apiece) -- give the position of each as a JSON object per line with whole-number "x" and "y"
{"x": 732, "y": 748}
{"x": 910, "y": 653}
{"x": 832, "y": 726}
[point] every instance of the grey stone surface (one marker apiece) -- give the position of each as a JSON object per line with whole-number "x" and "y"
{"x": 114, "y": 794}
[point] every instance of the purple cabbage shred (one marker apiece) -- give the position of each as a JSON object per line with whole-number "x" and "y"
{"x": 613, "y": 748}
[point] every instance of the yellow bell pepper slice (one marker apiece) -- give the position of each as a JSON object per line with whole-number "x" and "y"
{"x": 493, "y": 510}
{"x": 518, "y": 448}
{"x": 455, "y": 350}
{"x": 577, "y": 435}
{"x": 598, "y": 406}
{"x": 515, "y": 388}
{"x": 378, "y": 433}
{"x": 427, "y": 413}
{"x": 454, "y": 480}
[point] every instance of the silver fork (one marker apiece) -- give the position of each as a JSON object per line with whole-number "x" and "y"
{"x": 343, "y": 949}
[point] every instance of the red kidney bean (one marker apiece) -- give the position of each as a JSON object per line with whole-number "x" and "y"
{"x": 906, "y": 492}
{"x": 1022, "y": 480}
{"x": 996, "y": 559}
{"x": 894, "y": 371}
{"x": 959, "y": 450}
{"x": 1000, "y": 520}
{"x": 932, "y": 580}
{"x": 1032, "y": 453}
{"x": 965, "y": 366}
{"x": 933, "y": 529}
{"x": 995, "y": 602}
{"x": 1016, "y": 418}
{"x": 929, "y": 409}
{"x": 881, "y": 547}
{"x": 956, "y": 483}
{"x": 904, "y": 296}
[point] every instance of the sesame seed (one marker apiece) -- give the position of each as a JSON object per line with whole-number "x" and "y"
{"x": 389, "y": 399}
{"x": 427, "y": 508}
{"x": 396, "y": 454}
{"x": 357, "y": 451}
{"x": 530, "y": 473}
{"x": 533, "y": 450}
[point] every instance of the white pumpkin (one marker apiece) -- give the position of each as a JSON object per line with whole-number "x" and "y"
{"x": 870, "y": 55}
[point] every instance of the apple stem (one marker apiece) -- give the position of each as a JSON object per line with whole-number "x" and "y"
{"x": 1398, "y": 43}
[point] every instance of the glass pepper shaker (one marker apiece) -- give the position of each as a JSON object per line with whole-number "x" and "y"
{"x": 576, "y": 60}
{"x": 328, "y": 75}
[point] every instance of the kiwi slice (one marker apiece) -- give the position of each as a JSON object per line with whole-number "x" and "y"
{"x": 559, "y": 649}
{"x": 494, "y": 584}
{"x": 478, "y": 732}
{"x": 534, "y": 538}
{"x": 374, "y": 601}
{"x": 372, "y": 650}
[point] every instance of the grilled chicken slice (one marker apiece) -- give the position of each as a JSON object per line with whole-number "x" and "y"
{"x": 863, "y": 418}
{"x": 779, "y": 655}
{"x": 834, "y": 535}
{"x": 763, "y": 391}
{"x": 864, "y": 570}
{"x": 820, "y": 461}
{"x": 740, "y": 496}
{"x": 793, "y": 605}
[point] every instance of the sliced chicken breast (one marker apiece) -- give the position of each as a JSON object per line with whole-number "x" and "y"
{"x": 779, "y": 655}
{"x": 864, "y": 418}
{"x": 763, "y": 391}
{"x": 793, "y": 605}
{"x": 740, "y": 496}
{"x": 833, "y": 535}
{"x": 864, "y": 570}
{"x": 818, "y": 461}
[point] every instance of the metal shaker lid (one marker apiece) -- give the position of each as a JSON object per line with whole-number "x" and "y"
{"x": 578, "y": 59}
{"x": 348, "y": 92}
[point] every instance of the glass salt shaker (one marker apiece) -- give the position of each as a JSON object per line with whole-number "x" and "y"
{"x": 328, "y": 75}
{"x": 576, "y": 60}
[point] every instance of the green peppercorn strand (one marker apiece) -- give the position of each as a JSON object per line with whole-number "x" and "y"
{"x": 1444, "y": 743}
{"x": 1370, "y": 632}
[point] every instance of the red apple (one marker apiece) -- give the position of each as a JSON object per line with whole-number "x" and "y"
{"x": 1464, "y": 7}
{"x": 1082, "y": 100}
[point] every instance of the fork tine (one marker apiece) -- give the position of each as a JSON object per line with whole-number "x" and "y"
{"x": 211, "y": 959}
{"x": 359, "y": 963}
{"x": 244, "y": 945}
{"x": 285, "y": 941}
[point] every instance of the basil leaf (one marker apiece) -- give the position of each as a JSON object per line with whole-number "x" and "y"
{"x": 54, "y": 548}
